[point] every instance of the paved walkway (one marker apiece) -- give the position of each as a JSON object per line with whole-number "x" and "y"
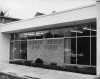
{"x": 41, "y": 73}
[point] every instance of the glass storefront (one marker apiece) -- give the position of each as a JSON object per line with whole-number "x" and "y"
{"x": 75, "y": 45}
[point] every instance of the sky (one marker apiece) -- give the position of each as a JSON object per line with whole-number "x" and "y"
{"x": 25, "y": 9}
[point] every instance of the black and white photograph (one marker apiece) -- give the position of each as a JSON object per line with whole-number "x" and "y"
{"x": 49, "y": 39}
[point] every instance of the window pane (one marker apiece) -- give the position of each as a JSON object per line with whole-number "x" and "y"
{"x": 12, "y": 36}
{"x": 17, "y": 49}
{"x": 27, "y": 35}
{"x": 39, "y": 34}
{"x": 93, "y": 29}
{"x": 83, "y": 30}
{"x": 93, "y": 50}
{"x": 70, "y": 50}
{"x": 16, "y": 36}
{"x": 72, "y": 32}
{"x": 83, "y": 50}
{"x": 73, "y": 50}
{"x": 67, "y": 46}
{"x": 58, "y": 33}
{"x": 11, "y": 49}
{"x": 93, "y": 33}
{"x": 48, "y": 34}
{"x": 23, "y": 49}
{"x": 67, "y": 32}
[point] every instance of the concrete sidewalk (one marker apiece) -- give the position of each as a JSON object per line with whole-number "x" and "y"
{"x": 42, "y": 73}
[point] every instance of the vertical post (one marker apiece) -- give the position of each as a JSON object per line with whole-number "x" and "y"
{"x": 90, "y": 43}
{"x": 4, "y": 47}
{"x": 98, "y": 38}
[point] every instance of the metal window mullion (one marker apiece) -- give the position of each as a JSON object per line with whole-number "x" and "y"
{"x": 70, "y": 47}
{"x": 76, "y": 47}
{"x": 14, "y": 47}
{"x": 13, "y": 50}
{"x": 90, "y": 46}
{"x": 19, "y": 48}
{"x": 64, "y": 49}
{"x": 64, "y": 52}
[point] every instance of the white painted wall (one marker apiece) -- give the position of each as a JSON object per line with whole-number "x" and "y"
{"x": 98, "y": 38}
{"x": 57, "y": 18}
{"x": 4, "y": 47}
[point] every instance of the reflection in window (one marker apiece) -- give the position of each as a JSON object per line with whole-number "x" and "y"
{"x": 18, "y": 50}
{"x": 93, "y": 29}
{"x": 73, "y": 51}
{"x": 70, "y": 50}
{"x": 58, "y": 33}
{"x": 29, "y": 35}
{"x": 80, "y": 43}
{"x": 39, "y": 35}
{"x": 48, "y": 34}
{"x": 84, "y": 30}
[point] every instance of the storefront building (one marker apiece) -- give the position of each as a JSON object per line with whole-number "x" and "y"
{"x": 67, "y": 39}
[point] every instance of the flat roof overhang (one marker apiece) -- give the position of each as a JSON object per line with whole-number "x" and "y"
{"x": 65, "y": 18}
{"x": 59, "y": 25}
